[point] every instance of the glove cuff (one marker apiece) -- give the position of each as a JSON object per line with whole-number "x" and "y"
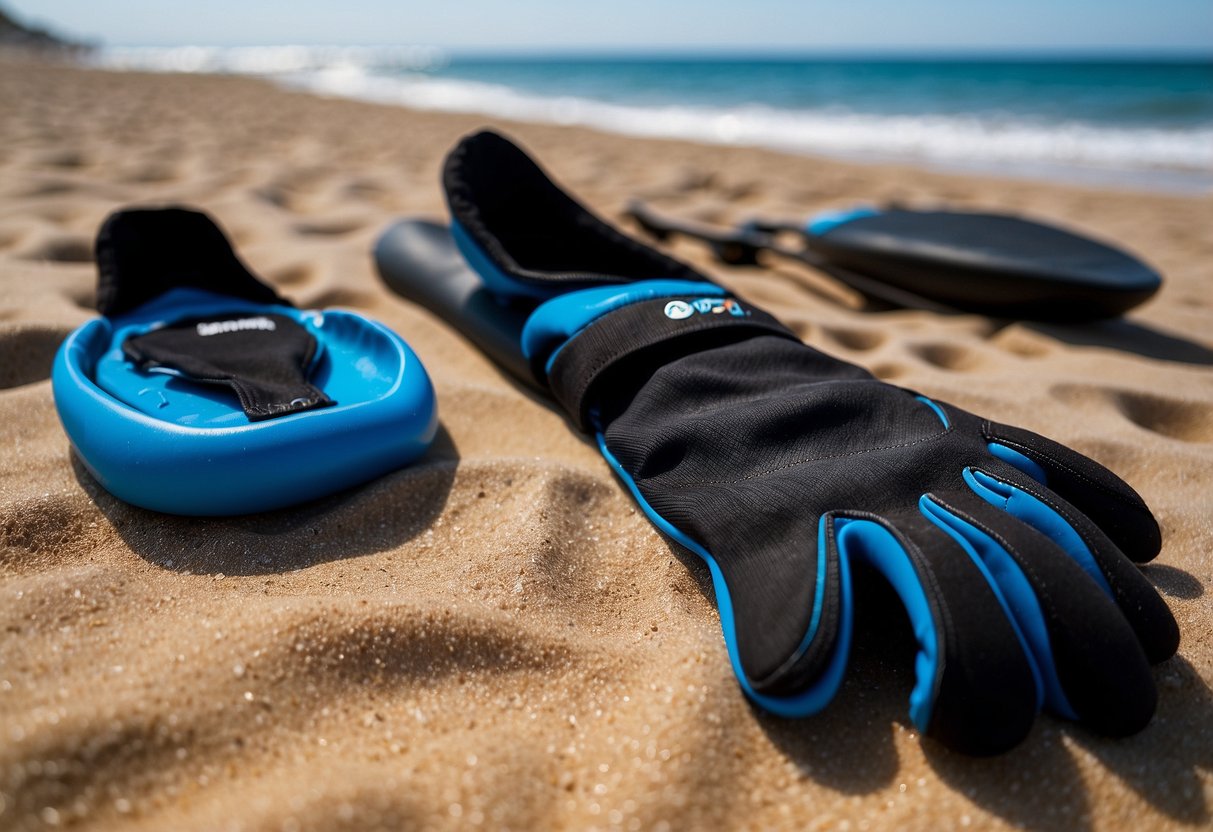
{"x": 611, "y": 357}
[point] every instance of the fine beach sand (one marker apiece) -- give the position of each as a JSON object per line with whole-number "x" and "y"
{"x": 496, "y": 636}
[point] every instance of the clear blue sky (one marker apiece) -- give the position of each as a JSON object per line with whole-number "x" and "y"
{"x": 1152, "y": 26}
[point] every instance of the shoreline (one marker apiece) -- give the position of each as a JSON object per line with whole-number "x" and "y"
{"x": 410, "y": 85}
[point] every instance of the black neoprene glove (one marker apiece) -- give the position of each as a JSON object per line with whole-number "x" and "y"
{"x": 785, "y": 468}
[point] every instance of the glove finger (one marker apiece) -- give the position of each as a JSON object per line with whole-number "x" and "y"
{"x": 789, "y": 611}
{"x": 779, "y": 596}
{"x": 975, "y": 690}
{"x": 1044, "y": 510}
{"x": 1087, "y": 657}
{"x": 1102, "y": 496}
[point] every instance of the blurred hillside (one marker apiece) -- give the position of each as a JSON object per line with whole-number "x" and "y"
{"x": 16, "y": 35}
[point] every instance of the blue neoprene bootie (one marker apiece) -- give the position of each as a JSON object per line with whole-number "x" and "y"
{"x": 201, "y": 391}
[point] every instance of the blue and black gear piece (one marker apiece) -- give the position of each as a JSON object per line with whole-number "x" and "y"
{"x": 201, "y": 391}
{"x": 793, "y": 474}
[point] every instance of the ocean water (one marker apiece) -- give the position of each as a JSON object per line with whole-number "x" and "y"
{"x": 1137, "y": 122}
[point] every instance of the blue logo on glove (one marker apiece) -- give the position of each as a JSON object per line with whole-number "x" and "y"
{"x": 679, "y": 310}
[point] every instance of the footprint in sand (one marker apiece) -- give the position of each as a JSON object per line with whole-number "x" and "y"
{"x": 28, "y": 352}
{"x": 1170, "y": 416}
{"x": 330, "y": 227}
{"x": 346, "y": 298}
{"x": 855, "y": 338}
{"x": 8, "y": 238}
{"x": 49, "y": 187}
{"x": 275, "y": 195}
{"x": 364, "y": 189}
{"x": 151, "y": 173}
{"x": 1022, "y": 344}
{"x": 65, "y": 158}
{"x": 60, "y": 248}
{"x": 56, "y": 214}
{"x": 295, "y": 274}
{"x": 888, "y": 370}
{"x": 955, "y": 357}
{"x": 1188, "y": 421}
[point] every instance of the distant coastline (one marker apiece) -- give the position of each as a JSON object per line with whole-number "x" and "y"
{"x": 1134, "y": 122}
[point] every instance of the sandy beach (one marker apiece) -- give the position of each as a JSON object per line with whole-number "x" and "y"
{"x": 495, "y": 637}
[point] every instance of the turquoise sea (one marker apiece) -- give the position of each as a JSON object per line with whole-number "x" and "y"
{"x": 1140, "y": 121}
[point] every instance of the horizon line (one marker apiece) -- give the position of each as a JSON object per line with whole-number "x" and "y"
{"x": 736, "y": 52}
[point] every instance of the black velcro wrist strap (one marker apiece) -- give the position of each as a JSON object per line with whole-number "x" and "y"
{"x": 264, "y": 359}
{"x": 611, "y": 354}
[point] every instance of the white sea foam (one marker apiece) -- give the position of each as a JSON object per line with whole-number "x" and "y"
{"x": 403, "y": 76}
{"x": 268, "y": 60}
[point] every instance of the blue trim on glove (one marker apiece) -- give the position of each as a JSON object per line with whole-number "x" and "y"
{"x": 1019, "y": 503}
{"x": 556, "y": 321}
{"x": 875, "y": 545}
{"x": 1017, "y": 598}
{"x": 1013, "y": 457}
{"x": 495, "y": 280}
{"x": 938, "y": 410}
{"x": 805, "y": 703}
